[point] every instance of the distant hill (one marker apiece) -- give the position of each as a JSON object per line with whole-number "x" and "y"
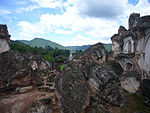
{"x": 39, "y": 42}
{"x": 74, "y": 48}
{"x": 16, "y": 41}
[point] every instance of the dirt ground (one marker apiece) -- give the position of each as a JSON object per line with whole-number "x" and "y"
{"x": 20, "y": 103}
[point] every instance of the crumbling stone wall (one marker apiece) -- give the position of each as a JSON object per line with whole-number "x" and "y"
{"x": 135, "y": 41}
{"x": 147, "y": 55}
{"x": 4, "y": 39}
{"x": 133, "y": 20}
{"x": 4, "y": 46}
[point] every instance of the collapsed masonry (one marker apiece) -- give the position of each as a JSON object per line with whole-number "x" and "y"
{"x": 18, "y": 69}
{"x": 4, "y": 39}
{"x": 131, "y": 47}
{"x": 86, "y": 76}
{"x": 89, "y": 83}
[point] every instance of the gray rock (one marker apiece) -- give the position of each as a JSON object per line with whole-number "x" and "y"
{"x": 41, "y": 106}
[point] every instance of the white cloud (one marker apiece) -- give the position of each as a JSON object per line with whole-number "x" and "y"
{"x": 29, "y": 30}
{"x": 79, "y": 40}
{"x": 63, "y": 32}
{"x": 4, "y": 11}
{"x": 143, "y": 7}
{"x": 21, "y": 2}
{"x": 29, "y": 8}
{"x": 99, "y": 8}
{"x": 49, "y": 3}
{"x": 89, "y": 29}
{"x": 37, "y": 4}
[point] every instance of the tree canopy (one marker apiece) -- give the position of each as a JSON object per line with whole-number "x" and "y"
{"x": 48, "y": 52}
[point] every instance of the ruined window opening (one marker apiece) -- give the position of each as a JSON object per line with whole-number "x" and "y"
{"x": 129, "y": 47}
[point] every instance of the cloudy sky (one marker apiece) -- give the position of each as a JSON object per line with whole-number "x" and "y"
{"x": 68, "y": 22}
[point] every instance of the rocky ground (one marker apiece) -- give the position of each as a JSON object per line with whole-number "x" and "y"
{"x": 32, "y": 101}
{"x": 90, "y": 83}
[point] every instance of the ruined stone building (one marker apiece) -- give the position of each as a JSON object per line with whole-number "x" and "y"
{"x": 131, "y": 47}
{"x": 4, "y": 39}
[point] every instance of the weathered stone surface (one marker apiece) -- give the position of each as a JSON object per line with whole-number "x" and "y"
{"x": 18, "y": 70}
{"x": 4, "y": 39}
{"x": 72, "y": 84}
{"x": 133, "y": 20}
{"x": 130, "y": 81}
{"x": 108, "y": 85}
{"x": 135, "y": 40}
{"x": 23, "y": 89}
{"x": 88, "y": 74}
{"x": 4, "y": 46}
{"x": 130, "y": 84}
{"x": 13, "y": 65}
{"x": 73, "y": 89}
{"x": 96, "y": 53}
{"x": 41, "y": 106}
{"x": 96, "y": 106}
{"x": 144, "y": 22}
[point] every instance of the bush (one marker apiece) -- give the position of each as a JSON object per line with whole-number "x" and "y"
{"x": 62, "y": 67}
{"x": 48, "y": 57}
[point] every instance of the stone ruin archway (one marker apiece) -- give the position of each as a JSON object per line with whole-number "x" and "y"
{"x": 128, "y": 45}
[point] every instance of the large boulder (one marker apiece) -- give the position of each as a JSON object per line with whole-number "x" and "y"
{"x": 107, "y": 83}
{"x": 18, "y": 69}
{"x": 89, "y": 74}
{"x": 4, "y": 39}
{"x": 41, "y": 106}
{"x": 95, "y": 53}
{"x": 130, "y": 81}
{"x": 73, "y": 88}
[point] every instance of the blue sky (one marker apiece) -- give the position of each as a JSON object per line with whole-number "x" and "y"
{"x": 68, "y": 22}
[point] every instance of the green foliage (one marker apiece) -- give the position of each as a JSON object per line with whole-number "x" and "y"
{"x": 59, "y": 60}
{"x": 21, "y": 48}
{"x": 48, "y": 58}
{"x": 48, "y": 52}
{"x": 62, "y": 66}
{"x": 77, "y": 52}
{"x": 63, "y": 52}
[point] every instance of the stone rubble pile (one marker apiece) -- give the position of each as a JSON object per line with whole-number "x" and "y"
{"x": 91, "y": 82}
{"x": 21, "y": 70}
{"x": 88, "y": 73}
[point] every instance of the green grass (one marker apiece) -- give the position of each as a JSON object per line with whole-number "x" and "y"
{"x": 62, "y": 66}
